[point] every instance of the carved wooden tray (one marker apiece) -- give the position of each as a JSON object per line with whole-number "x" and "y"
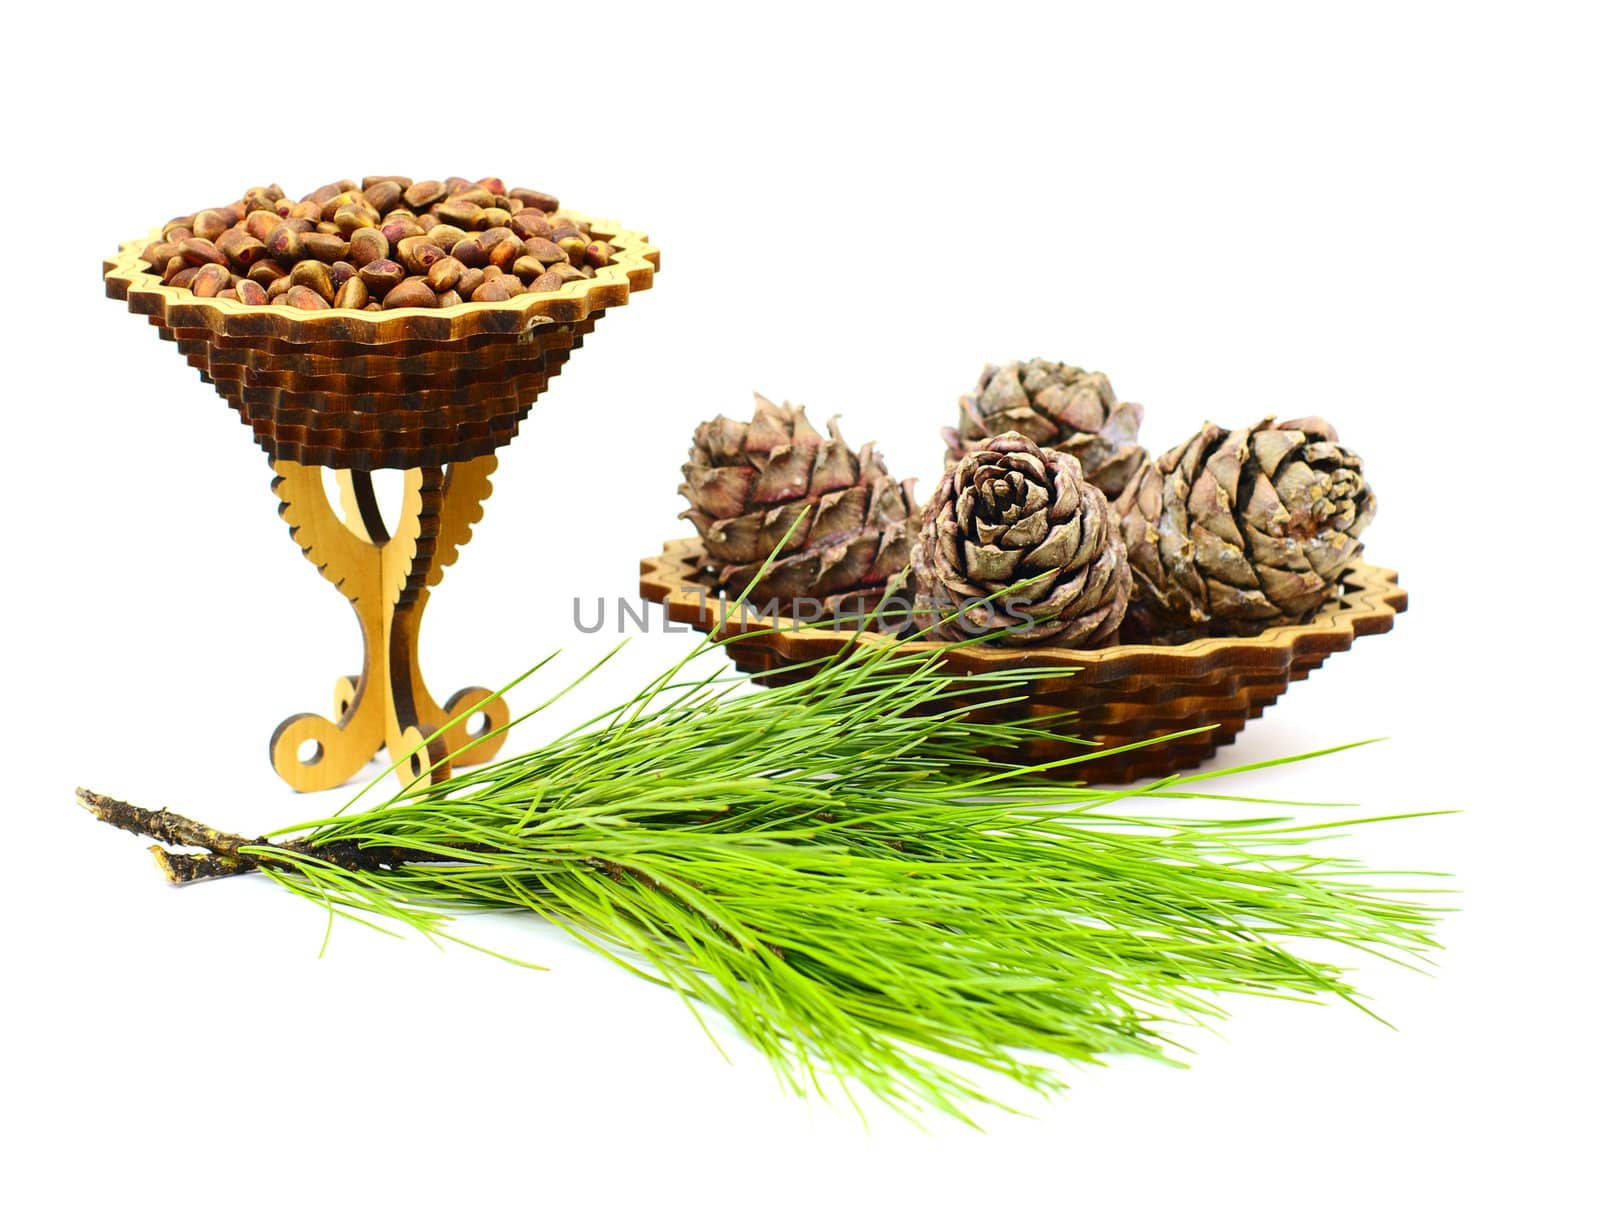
{"x": 397, "y": 388}
{"x": 1120, "y": 695}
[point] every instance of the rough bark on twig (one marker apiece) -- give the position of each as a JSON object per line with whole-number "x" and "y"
{"x": 220, "y": 854}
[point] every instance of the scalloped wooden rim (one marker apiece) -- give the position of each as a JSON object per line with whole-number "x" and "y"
{"x": 129, "y": 278}
{"x": 1368, "y": 606}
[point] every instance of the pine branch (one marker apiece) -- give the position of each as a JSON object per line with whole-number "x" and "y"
{"x": 853, "y": 880}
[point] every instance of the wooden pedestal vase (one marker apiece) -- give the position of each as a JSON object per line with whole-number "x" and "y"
{"x": 432, "y": 392}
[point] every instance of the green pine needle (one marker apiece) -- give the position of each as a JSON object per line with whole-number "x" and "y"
{"x": 861, "y": 892}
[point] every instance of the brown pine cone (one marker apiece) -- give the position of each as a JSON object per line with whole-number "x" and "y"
{"x": 1020, "y": 541}
{"x": 1056, "y": 406}
{"x": 1233, "y": 532}
{"x": 748, "y": 483}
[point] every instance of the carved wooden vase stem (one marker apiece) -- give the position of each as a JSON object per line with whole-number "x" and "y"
{"x": 386, "y": 577}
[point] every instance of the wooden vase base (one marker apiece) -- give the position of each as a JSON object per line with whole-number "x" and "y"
{"x": 386, "y": 576}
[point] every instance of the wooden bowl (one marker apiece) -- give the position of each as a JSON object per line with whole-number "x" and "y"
{"x": 396, "y": 388}
{"x": 1120, "y": 695}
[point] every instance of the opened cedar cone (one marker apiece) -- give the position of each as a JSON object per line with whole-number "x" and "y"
{"x": 1055, "y": 406}
{"x": 1233, "y": 532}
{"x": 1015, "y": 539}
{"x": 748, "y": 483}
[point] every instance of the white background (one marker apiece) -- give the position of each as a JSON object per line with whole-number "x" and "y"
{"x": 1382, "y": 214}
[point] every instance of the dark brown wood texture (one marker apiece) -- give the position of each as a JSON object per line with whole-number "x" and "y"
{"x": 1120, "y": 695}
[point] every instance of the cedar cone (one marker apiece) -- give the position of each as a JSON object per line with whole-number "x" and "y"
{"x": 748, "y": 483}
{"x": 1021, "y": 535}
{"x": 1233, "y": 532}
{"x": 1058, "y": 407}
